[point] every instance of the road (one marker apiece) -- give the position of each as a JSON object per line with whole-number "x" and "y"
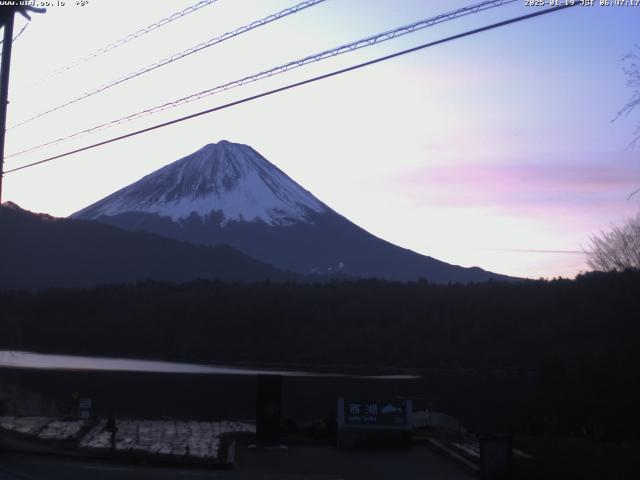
{"x": 309, "y": 463}
{"x": 34, "y": 467}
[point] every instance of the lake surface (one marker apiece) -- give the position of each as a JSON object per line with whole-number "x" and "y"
{"x": 45, "y": 361}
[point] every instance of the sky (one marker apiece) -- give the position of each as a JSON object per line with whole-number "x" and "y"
{"x": 500, "y": 150}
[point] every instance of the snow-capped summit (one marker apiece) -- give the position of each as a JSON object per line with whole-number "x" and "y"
{"x": 224, "y": 178}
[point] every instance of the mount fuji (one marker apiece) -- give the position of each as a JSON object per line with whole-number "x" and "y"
{"x": 227, "y": 193}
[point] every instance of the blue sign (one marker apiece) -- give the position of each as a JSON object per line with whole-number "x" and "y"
{"x": 389, "y": 414}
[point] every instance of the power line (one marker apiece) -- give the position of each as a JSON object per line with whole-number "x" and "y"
{"x": 24, "y": 27}
{"x": 298, "y": 84}
{"x": 177, "y": 56}
{"x": 126, "y": 39}
{"x": 349, "y": 47}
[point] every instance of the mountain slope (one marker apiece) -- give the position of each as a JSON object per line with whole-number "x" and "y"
{"x": 41, "y": 251}
{"x": 228, "y": 193}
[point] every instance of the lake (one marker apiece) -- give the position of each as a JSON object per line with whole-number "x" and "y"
{"x": 46, "y": 361}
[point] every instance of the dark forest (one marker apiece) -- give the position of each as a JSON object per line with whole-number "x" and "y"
{"x": 587, "y": 323}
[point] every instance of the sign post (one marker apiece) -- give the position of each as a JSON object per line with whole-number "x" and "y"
{"x": 495, "y": 457}
{"x": 268, "y": 410}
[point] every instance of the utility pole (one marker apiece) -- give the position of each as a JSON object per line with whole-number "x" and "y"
{"x": 7, "y": 14}
{"x": 4, "y": 88}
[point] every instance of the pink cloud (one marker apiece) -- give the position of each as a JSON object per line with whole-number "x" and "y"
{"x": 523, "y": 185}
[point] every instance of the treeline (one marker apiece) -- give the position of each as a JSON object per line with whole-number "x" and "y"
{"x": 561, "y": 325}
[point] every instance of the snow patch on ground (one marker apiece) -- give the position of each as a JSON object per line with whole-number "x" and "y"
{"x": 43, "y": 427}
{"x": 194, "y": 439}
{"x": 432, "y": 419}
{"x": 160, "y": 437}
{"x": 471, "y": 449}
{"x": 62, "y": 429}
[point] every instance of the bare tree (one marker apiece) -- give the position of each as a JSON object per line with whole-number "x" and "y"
{"x": 616, "y": 249}
{"x": 631, "y": 67}
{"x": 619, "y": 248}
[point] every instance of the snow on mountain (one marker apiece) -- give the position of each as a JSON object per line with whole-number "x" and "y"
{"x": 227, "y": 178}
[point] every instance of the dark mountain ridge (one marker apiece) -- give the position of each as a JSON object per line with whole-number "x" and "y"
{"x": 40, "y": 251}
